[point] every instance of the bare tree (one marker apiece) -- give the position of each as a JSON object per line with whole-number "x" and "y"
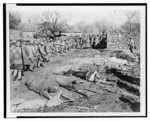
{"x": 52, "y": 22}
{"x": 84, "y": 28}
{"x": 130, "y": 15}
{"x": 132, "y": 18}
{"x": 14, "y": 20}
{"x": 101, "y": 25}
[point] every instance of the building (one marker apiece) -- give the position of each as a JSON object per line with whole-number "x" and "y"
{"x": 28, "y": 30}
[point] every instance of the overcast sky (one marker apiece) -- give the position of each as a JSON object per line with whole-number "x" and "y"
{"x": 75, "y": 14}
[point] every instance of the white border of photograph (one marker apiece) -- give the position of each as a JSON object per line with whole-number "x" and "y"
{"x": 142, "y": 87}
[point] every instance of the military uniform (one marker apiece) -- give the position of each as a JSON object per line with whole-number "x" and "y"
{"x": 31, "y": 56}
{"x": 92, "y": 76}
{"x": 42, "y": 52}
{"x": 17, "y": 61}
{"x": 131, "y": 45}
{"x": 48, "y": 50}
{"x": 81, "y": 42}
{"x": 103, "y": 42}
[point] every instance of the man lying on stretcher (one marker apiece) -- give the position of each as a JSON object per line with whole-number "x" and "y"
{"x": 92, "y": 76}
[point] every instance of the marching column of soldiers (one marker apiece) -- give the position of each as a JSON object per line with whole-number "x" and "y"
{"x": 26, "y": 55}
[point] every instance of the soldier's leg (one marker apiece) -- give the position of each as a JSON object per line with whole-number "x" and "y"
{"x": 15, "y": 74}
{"x": 40, "y": 63}
{"x": 49, "y": 56}
{"x": 19, "y": 77}
{"x": 31, "y": 67}
{"x": 20, "y": 69}
{"x": 35, "y": 62}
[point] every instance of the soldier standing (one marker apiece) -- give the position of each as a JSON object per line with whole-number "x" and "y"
{"x": 131, "y": 44}
{"x": 12, "y": 48}
{"x": 80, "y": 42}
{"x": 42, "y": 52}
{"x": 104, "y": 40}
{"x": 31, "y": 55}
{"x": 17, "y": 60}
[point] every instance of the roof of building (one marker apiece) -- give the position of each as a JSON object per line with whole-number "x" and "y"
{"x": 28, "y": 27}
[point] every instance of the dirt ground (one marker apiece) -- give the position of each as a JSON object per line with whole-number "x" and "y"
{"x": 102, "y": 98}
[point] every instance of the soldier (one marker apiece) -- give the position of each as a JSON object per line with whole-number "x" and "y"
{"x": 32, "y": 55}
{"x": 92, "y": 76}
{"x": 93, "y": 41}
{"x": 131, "y": 44}
{"x": 37, "y": 59}
{"x": 42, "y": 52}
{"x": 104, "y": 40}
{"x": 25, "y": 55}
{"x": 80, "y": 42}
{"x": 66, "y": 45}
{"x": 63, "y": 46}
{"x": 51, "y": 46}
{"x": 17, "y": 61}
{"x": 56, "y": 49}
{"x": 12, "y": 48}
{"x": 76, "y": 43}
{"x": 48, "y": 50}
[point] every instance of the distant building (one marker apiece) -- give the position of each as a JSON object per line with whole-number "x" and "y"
{"x": 28, "y": 30}
{"x": 72, "y": 33}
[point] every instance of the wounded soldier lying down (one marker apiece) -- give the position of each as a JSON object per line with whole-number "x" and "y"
{"x": 92, "y": 76}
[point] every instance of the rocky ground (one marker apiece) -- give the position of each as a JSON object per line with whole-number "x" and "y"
{"x": 122, "y": 95}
